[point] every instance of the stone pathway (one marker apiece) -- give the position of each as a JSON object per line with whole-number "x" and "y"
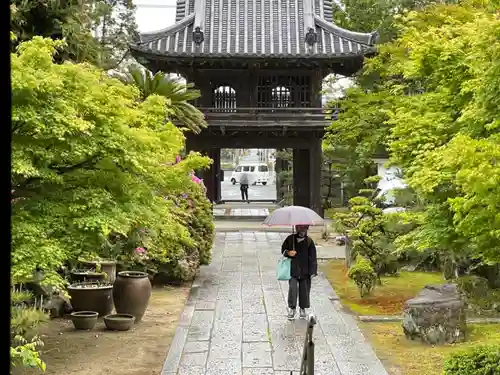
{"x": 234, "y": 322}
{"x": 244, "y": 213}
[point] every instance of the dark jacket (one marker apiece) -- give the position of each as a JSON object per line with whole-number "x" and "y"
{"x": 304, "y": 263}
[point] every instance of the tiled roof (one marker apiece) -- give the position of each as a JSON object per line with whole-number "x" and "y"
{"x": 255, "y": 28}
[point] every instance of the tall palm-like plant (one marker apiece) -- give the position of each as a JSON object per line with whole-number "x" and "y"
{"x": 181, "y": 111}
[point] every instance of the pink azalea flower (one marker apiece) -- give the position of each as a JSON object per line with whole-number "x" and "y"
{"x": 140, "y": 250}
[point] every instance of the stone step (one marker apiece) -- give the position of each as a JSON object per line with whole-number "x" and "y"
{"x": 240, "y": 213}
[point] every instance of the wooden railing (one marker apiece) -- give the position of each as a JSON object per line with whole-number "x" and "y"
{"x": 307, "y": 362}
{"x": 270, "y": 114}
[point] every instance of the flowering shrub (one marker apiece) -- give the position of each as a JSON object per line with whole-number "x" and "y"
{"x": 90, "y": 169}
{"x": 174, "y": 255}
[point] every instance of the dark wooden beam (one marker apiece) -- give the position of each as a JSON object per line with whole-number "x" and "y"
{"x": 245, "y": 141}
{"x": 345, "y": 64}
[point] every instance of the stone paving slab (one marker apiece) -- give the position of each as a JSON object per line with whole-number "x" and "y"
{"x": 234, "y": 322}
{"x": 241, "y": 213}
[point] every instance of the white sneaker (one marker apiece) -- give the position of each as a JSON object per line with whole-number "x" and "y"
{"x": 291, "y": 314}
{"x": 303, "y": 314}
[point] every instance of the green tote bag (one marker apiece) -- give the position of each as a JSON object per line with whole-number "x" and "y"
{"x": 283, "y": 272}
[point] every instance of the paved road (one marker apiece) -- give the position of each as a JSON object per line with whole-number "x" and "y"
{"x": 234, "y": 322}
{"x": 232, "y": 192}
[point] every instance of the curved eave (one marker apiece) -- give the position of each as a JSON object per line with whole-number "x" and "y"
{"x": 368, "y": 39}
{"x": 155, "y": 53}
{"x": 171, "y": 30}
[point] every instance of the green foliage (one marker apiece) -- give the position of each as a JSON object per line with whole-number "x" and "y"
{"x": 95, "y": 31}
{"x": 363, "y": 275}
{"x": 178, "y": 95}
{"x": 473, "y": 286}
{"x": 26, "y": 354}
{"x": 480, "y": 298}
{"x": 379, "y": 15}
{"x": 441, "y": 80}
{"x": 89, "y": 159}
{"x": 200, "y": 224}
{"x": 447, "y": 137}
{"x": 371, "y": 232}
{"x": 25, "y": 322}
{"x": 19, "y": 297}
{"x": 357, "y": 136}
{"x": 478, "y": 360}
{"x": 175, "y": 259}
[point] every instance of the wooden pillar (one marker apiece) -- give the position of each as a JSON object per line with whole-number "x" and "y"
{"x": 315, "y": 178}
{"x": 316, "y": 88}
{"x": 252, "y": 84}
{"x": 217, "y": 174}
{"x": 301, "y": 177}
{"x": 278, "y": 167}
{"x": 211, "y": 176}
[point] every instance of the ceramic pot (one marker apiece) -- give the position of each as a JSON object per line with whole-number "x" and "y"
{"x": 119, "y": 322}
{"x": 84, "y": 319}
{"x": 131, "y": 293}
{"x": 89, "y": 296}
{"x": 107, "y": 266}
{"x": 77, "y": 276}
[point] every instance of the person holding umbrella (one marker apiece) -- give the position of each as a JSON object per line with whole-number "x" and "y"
{"x": 299, "y": 262}
{"x": 304, "y": 265}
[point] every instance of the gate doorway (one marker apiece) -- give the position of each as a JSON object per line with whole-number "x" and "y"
{"x": 259, "y": 167}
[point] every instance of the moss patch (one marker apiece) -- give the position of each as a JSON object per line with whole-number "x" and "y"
{"x": 402, "y": 356}
{"x": 385, "y": 299}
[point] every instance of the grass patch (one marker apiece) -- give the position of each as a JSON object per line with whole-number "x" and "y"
{"x": 331, "y": 212}
{"x": 385, "y": 299}
{"x": 402, "y": 356}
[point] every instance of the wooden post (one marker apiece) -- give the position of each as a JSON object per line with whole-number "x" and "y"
{"x": 211, "y": 175}
{"x": 315, "y": 163}
{"x": 217, "y": 174}
{"x": 301, "y": 177}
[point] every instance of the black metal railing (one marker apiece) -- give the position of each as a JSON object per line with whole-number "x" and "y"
{"x": 307, "y": 363}
{"x": 270, "y": 114}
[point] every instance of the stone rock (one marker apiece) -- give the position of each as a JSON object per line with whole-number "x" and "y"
{"x": 57, "y": 306}
{"x": 340, "y": 240}
{"x": 490, "y": 273}
{"x": 38, "y": 290}
{"x": 436, "y": 315}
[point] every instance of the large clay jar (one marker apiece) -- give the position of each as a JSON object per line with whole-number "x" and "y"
{"x": 131, "y": 292}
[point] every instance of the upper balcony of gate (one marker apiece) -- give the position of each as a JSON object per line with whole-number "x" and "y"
{"x": 263, "y": 117}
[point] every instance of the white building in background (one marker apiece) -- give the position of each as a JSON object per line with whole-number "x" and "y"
{"x": 391, "y": 179}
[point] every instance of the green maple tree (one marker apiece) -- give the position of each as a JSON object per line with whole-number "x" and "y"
{"x": 435, "y": 94}
{"x": 89, "y": 158}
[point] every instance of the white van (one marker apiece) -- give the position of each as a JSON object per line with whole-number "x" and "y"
{"x": 257, "y": 173}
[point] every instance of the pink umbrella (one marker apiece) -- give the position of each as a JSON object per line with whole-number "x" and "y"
{"x": 293, "y": 215}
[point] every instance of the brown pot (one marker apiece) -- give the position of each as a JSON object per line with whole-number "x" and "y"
{"x": 131, "y": 292}
{"x": 88, "y": 296}
{"x": 78, "y": 277}
{"x": 107, "y": 266}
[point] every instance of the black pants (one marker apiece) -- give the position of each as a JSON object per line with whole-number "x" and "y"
{"x": 244, "y": 192}
{"x": 300, "y": 288}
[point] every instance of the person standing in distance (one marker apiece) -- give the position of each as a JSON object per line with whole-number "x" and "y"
{"x": 244, "y": 183}
{"x": 300, "y": 248}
